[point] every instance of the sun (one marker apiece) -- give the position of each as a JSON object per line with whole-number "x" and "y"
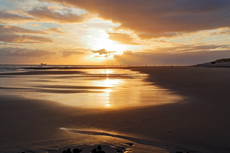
{"x": 109, "y": 45}
{"x": 99, "y": 39}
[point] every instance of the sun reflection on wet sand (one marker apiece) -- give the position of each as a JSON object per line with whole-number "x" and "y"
{"x": 96, "y": 88}
{"x": 107, "y": 105}
{"x": 103, "y": 90}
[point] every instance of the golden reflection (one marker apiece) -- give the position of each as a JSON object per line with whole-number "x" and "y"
{"x": 107, "y": 99}
{"x": 96, "y": 92}
{"x": 109, "y": 83}
{"x": 108, "y": 90}
{"x": 107, "y": 105}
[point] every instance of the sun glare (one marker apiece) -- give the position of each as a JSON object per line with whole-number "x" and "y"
{"x": 109, "y": 45}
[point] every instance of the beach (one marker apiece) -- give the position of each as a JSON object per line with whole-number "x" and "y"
{"x": 159, "y": 109}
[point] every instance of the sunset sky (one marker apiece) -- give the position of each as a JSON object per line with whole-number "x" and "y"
{"x": 160, "y": 32}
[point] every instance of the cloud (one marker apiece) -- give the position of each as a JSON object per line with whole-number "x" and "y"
{"x": 159, "y": 18}
{"x": 24, "y": 53}
{"x": 15, "y": 34}
{"x": 13, "y": 38}
{"x": 7, "y": 16}
{"x": 103, "y": 52}
{"x": 55, "y": 30}
{"x": 122, "y": 38}
{"x": 223, "y": 31}
{"x": 6, "y": 29}
{"x": 128, "y": 52}
{"x": 171, "y": 56}
{"x": 149, "y": 35}
{"x": 69, "y": 53}
{"x": 46, "y": 14}
{"x": 34, "y": 25}
{"x": 150, "y": 58}
{"x": 191, "y": 48}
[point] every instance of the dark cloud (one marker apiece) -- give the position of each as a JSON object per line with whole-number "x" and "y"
{"x": 44, "y": 13}
{"x": 6, "y": 29}
{"x": 69, "y": 53}
{"x": 122, "y": 38}
{"x": 103, "y": 52}
{"x": 13, "y": 38}
{"x": 159, "y": 18}
{"x": 7, "y": 16}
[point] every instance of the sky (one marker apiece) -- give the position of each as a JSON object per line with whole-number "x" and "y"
{"x": 109, "y": 32}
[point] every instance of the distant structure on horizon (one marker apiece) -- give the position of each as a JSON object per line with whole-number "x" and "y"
{"x": 43, "y": 64}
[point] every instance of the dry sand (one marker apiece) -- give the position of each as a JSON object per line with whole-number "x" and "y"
{"x": 198, "y": 123}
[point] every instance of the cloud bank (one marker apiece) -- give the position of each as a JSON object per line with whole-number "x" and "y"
{"x": 159, "y": 18}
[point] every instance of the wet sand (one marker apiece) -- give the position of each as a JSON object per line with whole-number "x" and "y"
{"x": 197, "y": 123}
{"x": 201, "y": 121}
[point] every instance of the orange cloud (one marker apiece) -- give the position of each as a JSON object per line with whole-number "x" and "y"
{"x": 122, "y": 38}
